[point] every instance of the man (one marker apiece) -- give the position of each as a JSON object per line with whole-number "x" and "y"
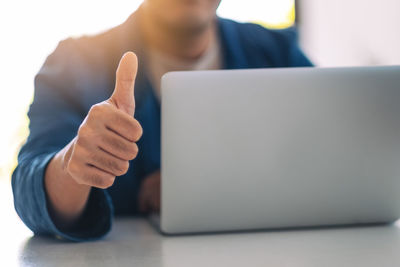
{"x": 81, "y": 162}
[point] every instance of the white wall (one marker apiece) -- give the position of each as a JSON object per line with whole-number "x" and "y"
{"x": 351, "y": 32}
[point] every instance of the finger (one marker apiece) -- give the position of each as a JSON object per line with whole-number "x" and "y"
{"x": 98, "y": 178}
{"x": 107, "y": 163}
{"x": 90, "y": 175}
{"x": 118, "y": 146}
{"x": 123, "y": 95}
{"x": 123, "y": 125}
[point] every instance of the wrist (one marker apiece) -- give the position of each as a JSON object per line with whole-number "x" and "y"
{"x": 64, "y": 156}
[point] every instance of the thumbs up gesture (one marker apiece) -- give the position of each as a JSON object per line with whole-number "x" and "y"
{"x": 123, "y": 96}
{"x": 107, "y": 137}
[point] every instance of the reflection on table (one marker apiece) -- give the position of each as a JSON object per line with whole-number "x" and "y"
{"x": 134, "y": 242}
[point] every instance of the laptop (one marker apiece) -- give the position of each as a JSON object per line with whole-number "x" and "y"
{"x": 278, "y": 148}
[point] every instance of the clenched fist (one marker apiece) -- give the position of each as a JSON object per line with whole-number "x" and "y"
{"x": 106, "y": 139}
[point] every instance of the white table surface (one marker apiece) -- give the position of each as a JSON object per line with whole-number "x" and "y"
{"x": 134, "y": 242}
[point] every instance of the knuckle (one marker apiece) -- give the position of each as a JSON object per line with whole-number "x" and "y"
{"x": 95, "y": 157}
{"x": 77, "y": 155}
{"x": 103, "y": 139}
{"x": 108, "y": 183}
{"x": 125, "y": 166}
{"x": 83, "y": 134}
{"x": 81, "y": 130}
{"x": 100, "y": 181}
{"x": 96, "y": 110}
{"x": 121, "y": 168}
{"x": 87, "y": 136}
{"x": 134, "y": 150}
{"x": 80, "y": 140}
{"x": 137, "y": 131}
{"x": 119, "y": 119}
{"x": 116, "y": 144}
{"x": 95, "y": 180}
{"x": 79, "y": 150}
{"x": 113, "y": 165}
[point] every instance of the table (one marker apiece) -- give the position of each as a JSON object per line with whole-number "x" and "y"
{"x": 135, "y": 242}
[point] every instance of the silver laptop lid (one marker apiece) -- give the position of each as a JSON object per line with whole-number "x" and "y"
{"x": 266, "y": 148}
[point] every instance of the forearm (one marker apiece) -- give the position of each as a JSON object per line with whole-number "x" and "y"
{"x": 66, "y": 198}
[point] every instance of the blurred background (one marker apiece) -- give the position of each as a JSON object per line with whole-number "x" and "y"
{"x": 332, "y": 33}
{"x": 31, "y": 30}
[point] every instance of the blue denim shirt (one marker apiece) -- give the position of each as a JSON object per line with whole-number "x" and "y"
{"x": 81, "y": 73}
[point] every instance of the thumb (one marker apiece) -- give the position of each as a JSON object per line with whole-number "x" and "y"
{"x": 123, "y": 95}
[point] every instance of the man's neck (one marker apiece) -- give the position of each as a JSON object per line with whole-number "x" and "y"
{"x": 184, "y": 44}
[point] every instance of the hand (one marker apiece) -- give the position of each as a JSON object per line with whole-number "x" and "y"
{"x": 149, "y": 194}
{"x": 106, "y": 139}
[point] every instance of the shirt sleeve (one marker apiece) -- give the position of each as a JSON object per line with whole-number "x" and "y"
{"x": 55, "y": 115}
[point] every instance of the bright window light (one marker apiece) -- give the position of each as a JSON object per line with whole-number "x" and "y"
{"x": 271, "y": 13}
{"x": 30, "y": 30}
